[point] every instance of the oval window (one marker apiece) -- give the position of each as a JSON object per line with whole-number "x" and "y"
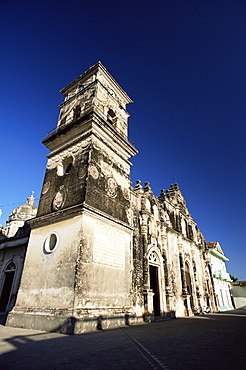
{"x": 51, "y": 243}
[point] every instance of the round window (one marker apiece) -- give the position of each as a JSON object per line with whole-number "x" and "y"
{"x": 51, "y": 243}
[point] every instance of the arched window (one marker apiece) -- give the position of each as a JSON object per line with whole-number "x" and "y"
{"x": 189, "y": 284}
{"x": 64, "y": 166}
{"x": 10, "y": 267}
{"x": 153, "y": 258}
{"x": 177, "y": 223}
{"x": 187, "y": 278}
{"x": 111, "y": 117}
{"x": 76, "y": 112}
{"x": 190, "y": 232}
{"x": 9, "y": 274}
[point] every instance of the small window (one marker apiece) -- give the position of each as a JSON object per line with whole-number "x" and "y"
{"x": 111, "y": 117}
{"x": 64, "y": 166}
{"x": 190, "y": 232}
{"x": 80, "y": 87}
{"x": 51, "y": 243}
{"x": 67, "y": 163}
{"x": 76, "y": 112}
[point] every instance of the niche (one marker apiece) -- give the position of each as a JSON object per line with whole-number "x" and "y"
{"x": 64, "y": 166}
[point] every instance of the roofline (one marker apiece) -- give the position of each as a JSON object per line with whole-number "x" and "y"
{"x": 218, "y": 254}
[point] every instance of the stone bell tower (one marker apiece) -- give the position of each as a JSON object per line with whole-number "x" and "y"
{"x": 78, "y": 264}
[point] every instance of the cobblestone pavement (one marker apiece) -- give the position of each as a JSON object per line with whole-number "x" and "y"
{"x": 214, "y": 341}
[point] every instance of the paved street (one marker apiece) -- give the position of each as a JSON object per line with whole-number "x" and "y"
{"x": 214, "y": 341}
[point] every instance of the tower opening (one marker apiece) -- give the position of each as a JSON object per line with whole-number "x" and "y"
{"x": 111, "y": 117}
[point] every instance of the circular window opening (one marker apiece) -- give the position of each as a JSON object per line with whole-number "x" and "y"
{"x": 51, "y": 243}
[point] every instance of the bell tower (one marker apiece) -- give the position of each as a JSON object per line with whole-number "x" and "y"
{"x": 79, "y": 258}
{"x": 88, "y": 163}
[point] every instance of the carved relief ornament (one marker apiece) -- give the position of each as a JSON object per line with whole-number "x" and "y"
{"x": 93, "y": 171}
{"x": 111, "y": 187}
{"x": 46, "y": 187}
{"x": 59, "y": 199}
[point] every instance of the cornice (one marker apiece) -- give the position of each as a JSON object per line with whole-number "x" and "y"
{"x": 66, "y": 213}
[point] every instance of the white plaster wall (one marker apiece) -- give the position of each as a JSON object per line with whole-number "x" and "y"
{"x": 105, "y": 272}
{"x": 48, "y": 279}
{"x": 239, "y": 295}
{"x": 220, "y": 285}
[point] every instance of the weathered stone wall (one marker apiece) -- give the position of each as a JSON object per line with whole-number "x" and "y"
{"x": 166, "y": 236}
{"x": 65, "y": 179}
{"x": 107, "y": 186}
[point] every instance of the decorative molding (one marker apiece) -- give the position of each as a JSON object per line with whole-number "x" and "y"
{"x": 46, "y": 187}
{"x": 111, "y": 187}
{"x": 59, "y": 199}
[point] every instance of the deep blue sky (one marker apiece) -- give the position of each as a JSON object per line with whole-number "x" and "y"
{"x": 184, "y": 65}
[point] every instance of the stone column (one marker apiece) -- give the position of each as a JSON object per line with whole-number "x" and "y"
{"x": 197, "y": 291}
{"x": 144, "y": 235}
{"x": 167, "y": 278}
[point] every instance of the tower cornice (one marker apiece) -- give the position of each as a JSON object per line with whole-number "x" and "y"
{"x": 98, "y": 67}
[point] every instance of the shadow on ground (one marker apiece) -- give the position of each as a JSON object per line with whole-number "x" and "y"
{"x": 214, "y": 341}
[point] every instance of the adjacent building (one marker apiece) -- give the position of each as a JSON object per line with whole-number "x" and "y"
{"x": 221, "y": 278}
{"x": 13, "y": 245}
{"x": 239, "y": 294}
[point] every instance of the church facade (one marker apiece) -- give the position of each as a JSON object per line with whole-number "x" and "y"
{"x": 102, "y": 253}
{"x": 13, "y": 245}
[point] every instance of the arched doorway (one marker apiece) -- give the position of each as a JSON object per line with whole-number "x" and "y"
{"x": 9, "y": 274}
{"x": 154, "y": 281}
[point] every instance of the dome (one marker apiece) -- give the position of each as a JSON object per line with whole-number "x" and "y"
{"x": 24, "y": 212}
{"x": 19, "y": 215}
